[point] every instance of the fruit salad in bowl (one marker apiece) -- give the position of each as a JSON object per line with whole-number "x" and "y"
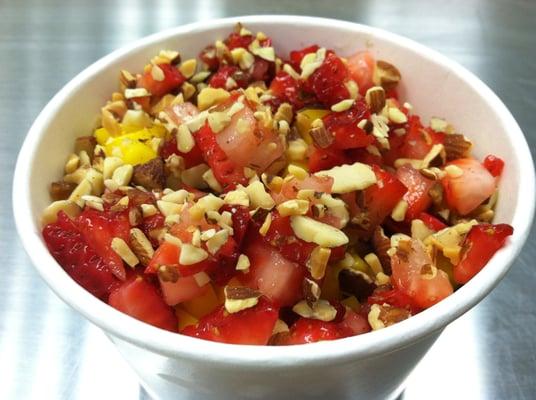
{"x": 248, "y": 196}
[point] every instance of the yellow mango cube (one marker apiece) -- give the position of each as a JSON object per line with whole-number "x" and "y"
{"x": 202, "y": 305}
{"x": 185, "y": 318}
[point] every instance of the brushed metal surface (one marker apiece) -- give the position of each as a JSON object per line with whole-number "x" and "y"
{"x": 49, "y": 351}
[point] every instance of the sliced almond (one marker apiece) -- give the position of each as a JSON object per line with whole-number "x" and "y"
{"x": 320, "y": 135}
{"x": 191, "y": 255}
{"x": 293, "y": 207}
{"x": 141, "y": 246}
{"x": 313, "y": 231}
{"x": 185, "y": 140}
{"x": 194, "y": 176}
{"x": 215, "y": 243}
{"x": 120, "y": 247}
{"x": 123, "y": 174}
{"x": 83, "y": 188}
{"x": 259, "y": 197}
{"x": 386, "y": 75}
{"x": 348, "y": 178}
{"x": 211, "y": 96}
{"x": 157, "y": 74}
{"x": 321, "y": 310}
{"x": 243, "y": 263}
{"x": 238, "y": 298}
{"x": 375, "y": 98}
{"x": 342, "y": 105}
{"x": 188, "y": 68}
{"x": 399, "y": 212}
{"x": 318, "y": 262}
{"x": 148, "y": 210}
{"x": 188, "y": 90}
{"x": 50, "y": 214}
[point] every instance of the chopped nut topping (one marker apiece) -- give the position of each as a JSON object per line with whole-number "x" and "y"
{"x": 178, "y": 196}
{"x": 191, "y": 254}
{"x": 396, "y": 116}
{"x": 386, "y": 75}
{"x": 127, "y": 79}
{"x": 237, "y": 197}
{"x": 134, "y": 216}
{"x": 188, "y": 68}
{"x": 185, "y": 140}
{"x": 157, "y": 74}
{"x": 399, "y": 212}
{"x": 348, "y": 178}
{"x": 168, "y": 273}
{"x": 259, "y": 197}
{"x": 212, "y": 182}
{"x": 210, "y": 96}
{"x": 172, "y": 239}
{"x": 284, "y": 113}
{"x": 194, "y": 176}
{"x": 321, "y": 310}
{"x": 148, "y": 210}
{"x": 215, "y": 243}
{"x": 50, "y": 214}
{"x": 293, "y": 207}
{"x": 456, "y": 146}
{"x": 188, "y": 90}
{"x": 263, "y": 230}
{"x": 381, "y": 316}
{"x": 375, "y": 98}
{"x": 419, "y": 230}
{"x": 141, "y": 246}
{"x": 173, "y": 57}
{"x": 453, "y": 171}
{"x": 83, "y": 188}
{"x": 136, "y": 93}
{"x": 243, "y": 263}
{"x": 123, "y": 174}
{"x": 320, "y": 135}
{"x": 342, "y": 105}
{"x": 382, "y": 244}
{"x": 218, "y": 121}
{"x": 298, "y": 172}
{"x": 120, "y": 247}
{"x": 318, "y": 261}
{"x": 168, "y": 208}
{"x": 313, "y": 231}
{"x": 238, "y": 298}
{"x": 311, "y": 291}
{"x": 438, "y": 124}
{"x": 61, "y": 190}
{"x": 374, "y": 263}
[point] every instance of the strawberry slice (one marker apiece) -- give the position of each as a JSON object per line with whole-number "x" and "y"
{"x": 253, "y": 326}
{"x": 417, "y": 196}
{"x": 68, "y": 246}
{"x": 139, "y": 299}
{"x": 172, "y": 80}
{"x": 224, "y": 169}
{"x": 328, "y": 80}
{"x": 306, "y": 330}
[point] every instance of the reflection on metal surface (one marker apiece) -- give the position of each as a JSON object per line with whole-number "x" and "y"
{"x": 48, "y": 351}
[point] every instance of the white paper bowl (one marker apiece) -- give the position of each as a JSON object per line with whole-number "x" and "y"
{"x": 373, "y": 365}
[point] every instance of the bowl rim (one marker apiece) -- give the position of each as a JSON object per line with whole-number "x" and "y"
{"x": 175, "y": 345}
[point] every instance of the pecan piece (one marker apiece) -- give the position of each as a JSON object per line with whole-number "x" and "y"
{"x": 150, "y": 175}
{"x": 61, "y": 190}
{"x": 356, "y": 283}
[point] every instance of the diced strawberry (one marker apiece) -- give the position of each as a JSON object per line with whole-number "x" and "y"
{"x": 431, "y": 222}
{"x": 467, "y": 191}
{"x": 296, "y": 56}
{"x": 361, "y": 67}
{"x": 77, "y": 258}
{"x": 172, "y": 80}
{"x": 417, "y": 195}
{"x": 139, "y": 299}
{"x": 251, "y": 326}
{"x": 99, "y": 229}
{"x": 183, "y": 289}
{"x": 494, "y": 165}
{"x": 306, "y": 330}
{"x": 394, "y": 297}
{"x": 166, "y": 254}
{"x": 191, "y": 159}
{"x": 263, "y": 70}
{"x": 328, "y": 80}
{"x": 411, "y": 274}
{"x": 353, "y": 324}
{"x": 235, "y": 40}
{"x": 275, "y": 276}
{"x": 286, "y": 89}
{"x": 480, "y": 244}
{"x": 224, "y": 169}
{"x": 224, "y": 72}
{"x": 241, "y": 218}
{"x": 208, "y": 56}
{"x": 343, "y": 126}
{"x": 322, "y": 159}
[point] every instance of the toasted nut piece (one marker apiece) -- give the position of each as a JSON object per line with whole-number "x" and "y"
{"x": 321, "y": 310}
{"x": 83, "y": 188}
{"x": 185, "y": 140}
{"x": 284, "y": 113}
{"x": 61, "y": 190}
{"x": 311, "y": 62}
{"x": 386, "y": 75}
{"x": 381, "y": 245}
{"x": 123, "y": 174}
{"x": 438, "y": 124}
{"x": 348, "y": 178}
{"x": 134, "y": 216}
{"x": 342, "y": 105}
{"x": 168, "y": 208}
{"x": 298, "y": 172}
{"x": 293, "y": 207}
{"x": 280, "y": 327}
{"x": 168, "y": 273}
{"x": 374, "y": 318}
{"x": 120, "y": 247}
{"x": 243, "y": 263}
{"x": 110, "y": 123}
{"x": 381, "y": 316}
{"x": 320, "y": 135}
{"x": 188, "y": 90}
{"x": 141, "y": 246}
{"x": 263, "y": 230}
{"x": 238, "y": 298}
{"x": 127, "y": 79}
{"x": 148, "y": 210}
{"x": 110, "y": 164}
{"x": 374, "y": 263}
{"x": 311, "y": 291}
{"x": 399, "y": 212}
{"x": 352, "y": 88}
{"x": 453, "y": 171}
{"x": 356, "y": 283}
{"x": 375, "y": 98}
{"x": 87, "y": 144}
{"x": 215, "y": 243}
{"x": 456, "y": 146}
{"x": 136, "y": 93}
{"x": 432, "y": 173}
{"x": 93, "y": 202}
{"x": 72, "y": 164}
{"x": 259, "y": 197}
{"x": 218, "y": 121}
{"x": 172, "y": 56}
{"x": 237, "y": 197}
{"x": 297, "y": 150}
{"x": 318, "y": 261}
{"x": 313, "y": 231}
{"x": 396, "y": 116}
{"x": 191, "y": 254}
{"x": 210, "y": 96}
{"x": 419, "y": 230}
{"x": 206, "y": 235}
{"x": 94, "y": 177}
{"x": 137, "y": 118}
{"x": 157, "y": 74}
{"x": 50, "y": 214}
{"x": 188, "y": 68}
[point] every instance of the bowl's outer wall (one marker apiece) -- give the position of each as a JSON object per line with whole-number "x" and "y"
{"x": 434, "y": 87}
{"x": 374, "y": 378}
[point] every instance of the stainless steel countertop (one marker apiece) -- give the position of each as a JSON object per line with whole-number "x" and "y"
{"x": 48, "y": 351}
